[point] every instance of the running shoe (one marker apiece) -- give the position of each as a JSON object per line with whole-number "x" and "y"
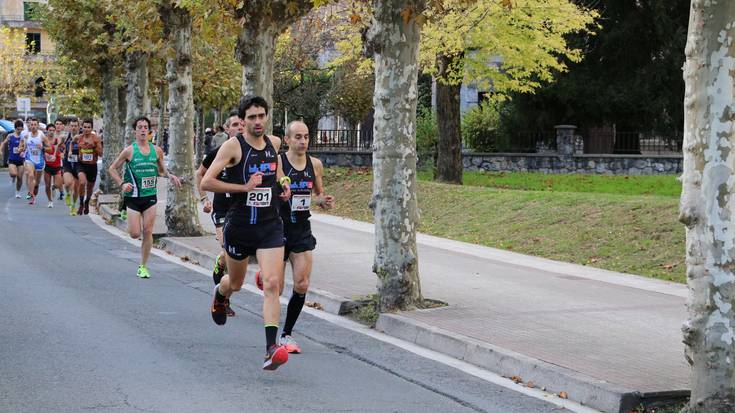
{"x": 219, "y": 310}
{"x": 218, "y": 271}
{"x": 73, "y": 210}
{"x": 67, "y": 199}
{"x": 143, "y": 272}
{"x": 291, "y": 345}
{"x": 276, "y": 356}
{"x": 28, "y": 195}
{"x": 258, "y": 281}
{"x": 50, "y": 204}
{"x": 124, "y": 215}
{"x": 17, "y": 195}
{"x": 61, "y": 195}
{"x": 230, "y": 311}
{"x": 86, "y": 208}
{"x": 80, "y": 210}
{"x": 32, "y": 201}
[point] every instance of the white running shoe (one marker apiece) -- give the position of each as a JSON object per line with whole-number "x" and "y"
{"x": 50, "y": 204}
{"x": 17, "y": 194}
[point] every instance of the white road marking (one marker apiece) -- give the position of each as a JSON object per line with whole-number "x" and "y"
{"x": 359, "y": 328}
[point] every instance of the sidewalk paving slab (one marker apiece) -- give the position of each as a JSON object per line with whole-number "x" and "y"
{"x": 609, "y": 340}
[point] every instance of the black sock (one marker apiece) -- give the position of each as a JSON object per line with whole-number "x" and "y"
{"x": 218, "y": 296}
{"x": 271, "y": 332}
{"x": 295, "y": 304}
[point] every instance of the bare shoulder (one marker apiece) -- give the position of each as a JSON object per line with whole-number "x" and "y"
{"x": 275, "y": 141}
{"x": 159, "y": 151}
{"x": 316, "y": 162}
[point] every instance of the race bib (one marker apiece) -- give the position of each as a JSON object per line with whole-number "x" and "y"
{"x": 148, "y": 182}
{"x": 301, "y": 203}
{"x": 87, "y": 157}
{"x": 72, "y": 158}
{"x": 35, "y": 152}
{"x": 259, "y": 198}
{"x": 50, "y": 157}
{"x": 15, "y": 150}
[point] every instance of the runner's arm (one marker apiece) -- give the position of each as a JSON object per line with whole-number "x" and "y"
{"x": 226, "y": 156}
{"x": 98, "y": 146}
{"x": 162, "y": 171}
{"x": 322, "y": 200}
{"x": 116, "y": 164}
{"x": 4, "y": 144}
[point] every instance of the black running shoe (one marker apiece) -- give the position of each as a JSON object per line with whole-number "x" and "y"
{"x": 276, "y": 356}
{"x": 230, "y": 311}
{"x": 218, "y": 271}
{"x": 86, "y": 208}
{"x": 61, "y": 195}
{"x": 80, "y": 211}
{"x": 219, "y": 310}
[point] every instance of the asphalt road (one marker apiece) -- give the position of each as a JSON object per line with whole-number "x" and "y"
{"x": 80, "y": 332}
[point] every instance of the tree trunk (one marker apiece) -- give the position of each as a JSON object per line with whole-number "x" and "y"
{"x": 262, "y": 21}
{"x": 449, "y": 143}
{"x": 136, "y": 66}
{"x": 707, "y": 205}
{"x": 394, "y": 40}
{"x": 112, "y": 135}
{"x": 182, "y": 217}
{"x": 161, "y": 114}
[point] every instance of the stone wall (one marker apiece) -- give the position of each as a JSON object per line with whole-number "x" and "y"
{"x": 545, "y": 163}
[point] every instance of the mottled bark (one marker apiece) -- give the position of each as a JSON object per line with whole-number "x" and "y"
{"x": 448, "y": 118}
{"x": 262, "y": 21}
{"x": 112, "y": 135}
{"x": 393, "y": 38}
{"x": 182, "y": 217}
{"x": 136, "y": 66}
{"x": 200, "y": 136}
{"x": 708, "y": 205}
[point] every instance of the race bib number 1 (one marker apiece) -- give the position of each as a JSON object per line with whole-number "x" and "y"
{"x": 148, "y": 182}
{"x": 259, "y": 198}
{"x": 87, "y": 157}
{"x": 301, "y": 203}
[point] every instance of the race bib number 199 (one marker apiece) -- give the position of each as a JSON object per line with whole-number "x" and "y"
{"x": 87, "y": 157}
{"x": 259, "y": 197}
{"x": 148, "y": 182}
{"x": 301, "y": 203}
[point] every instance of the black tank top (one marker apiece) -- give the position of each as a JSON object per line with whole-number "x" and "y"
{"x": 222, "y": 201}
{"x": 261, "y": 204}
{"x": 296, "y": 210}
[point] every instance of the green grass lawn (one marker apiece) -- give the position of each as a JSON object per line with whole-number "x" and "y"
{"x": 629, "y": 225}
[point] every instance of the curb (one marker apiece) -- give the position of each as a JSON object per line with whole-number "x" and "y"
{"x": 586, "y": 390}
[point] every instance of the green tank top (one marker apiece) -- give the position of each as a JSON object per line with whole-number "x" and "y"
{"x": 142, "y": 172}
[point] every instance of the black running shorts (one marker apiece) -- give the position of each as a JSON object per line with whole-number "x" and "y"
{"x": 297, "y": 238}
{"x": 140, "y": 204}
{"x": 218, "y": 218}
{"x": 70, "y": 167}
{"x": 18, "y": 163}
{"x": 89, "y": 170}
{"x": 52, "y": 170}
{"x": 242, "y": 241}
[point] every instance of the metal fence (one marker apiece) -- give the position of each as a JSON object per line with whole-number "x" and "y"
{"x": 342, "y": 139}
{"x": 529, "y": 142}
{"x": 648, "y": 143}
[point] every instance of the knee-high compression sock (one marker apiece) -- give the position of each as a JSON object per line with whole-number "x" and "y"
{"x": 295, "y": 304}
{"x": 271, "y": 332}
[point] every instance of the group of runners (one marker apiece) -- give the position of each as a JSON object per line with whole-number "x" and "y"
{"x": 260, "y": 207}
{"x": 65, "y": 155}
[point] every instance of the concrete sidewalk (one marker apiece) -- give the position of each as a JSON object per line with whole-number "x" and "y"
{"x": 610, "y": 341}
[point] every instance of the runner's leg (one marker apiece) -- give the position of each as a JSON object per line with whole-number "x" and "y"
{"x": 149, "y": 220}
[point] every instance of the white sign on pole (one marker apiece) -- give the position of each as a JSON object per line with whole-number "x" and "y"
{"x": 24, "y": 105}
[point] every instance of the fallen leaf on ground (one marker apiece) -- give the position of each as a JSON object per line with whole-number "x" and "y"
{"x": 563, "y": 395}
{"x": 185, "y": 258}
{"x": 314, "y": 304}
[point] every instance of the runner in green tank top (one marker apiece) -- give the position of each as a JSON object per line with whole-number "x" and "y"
{"x": 141, "y": 171}
{"x": 143, "y": 165}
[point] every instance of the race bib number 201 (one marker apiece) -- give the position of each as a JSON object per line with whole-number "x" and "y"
{"x": 87, "y": 157}
{"x": 259, "y": 198}
{"x": 148, "y": 182}
{"x": 301, "y": 202}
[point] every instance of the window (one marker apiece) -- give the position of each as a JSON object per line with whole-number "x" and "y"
{"x": 31, "y": 10}
{"x": 40, "y": 88}
{"x": 33, "y": 43}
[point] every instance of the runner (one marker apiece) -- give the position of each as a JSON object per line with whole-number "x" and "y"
{"x": 221, "y": 203}
{"x": 70, "y": 161}
{"x": 52, "y": 170}
{"x": 60, "y": 137}
{"x": 32, "y": 145}
{"x": 15, "y": 156}
{"x": 143, "y": 164}
{"x": 90, "y": 148}
{"x": 306, "y": 183}
{"x": 252, "y": 225}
